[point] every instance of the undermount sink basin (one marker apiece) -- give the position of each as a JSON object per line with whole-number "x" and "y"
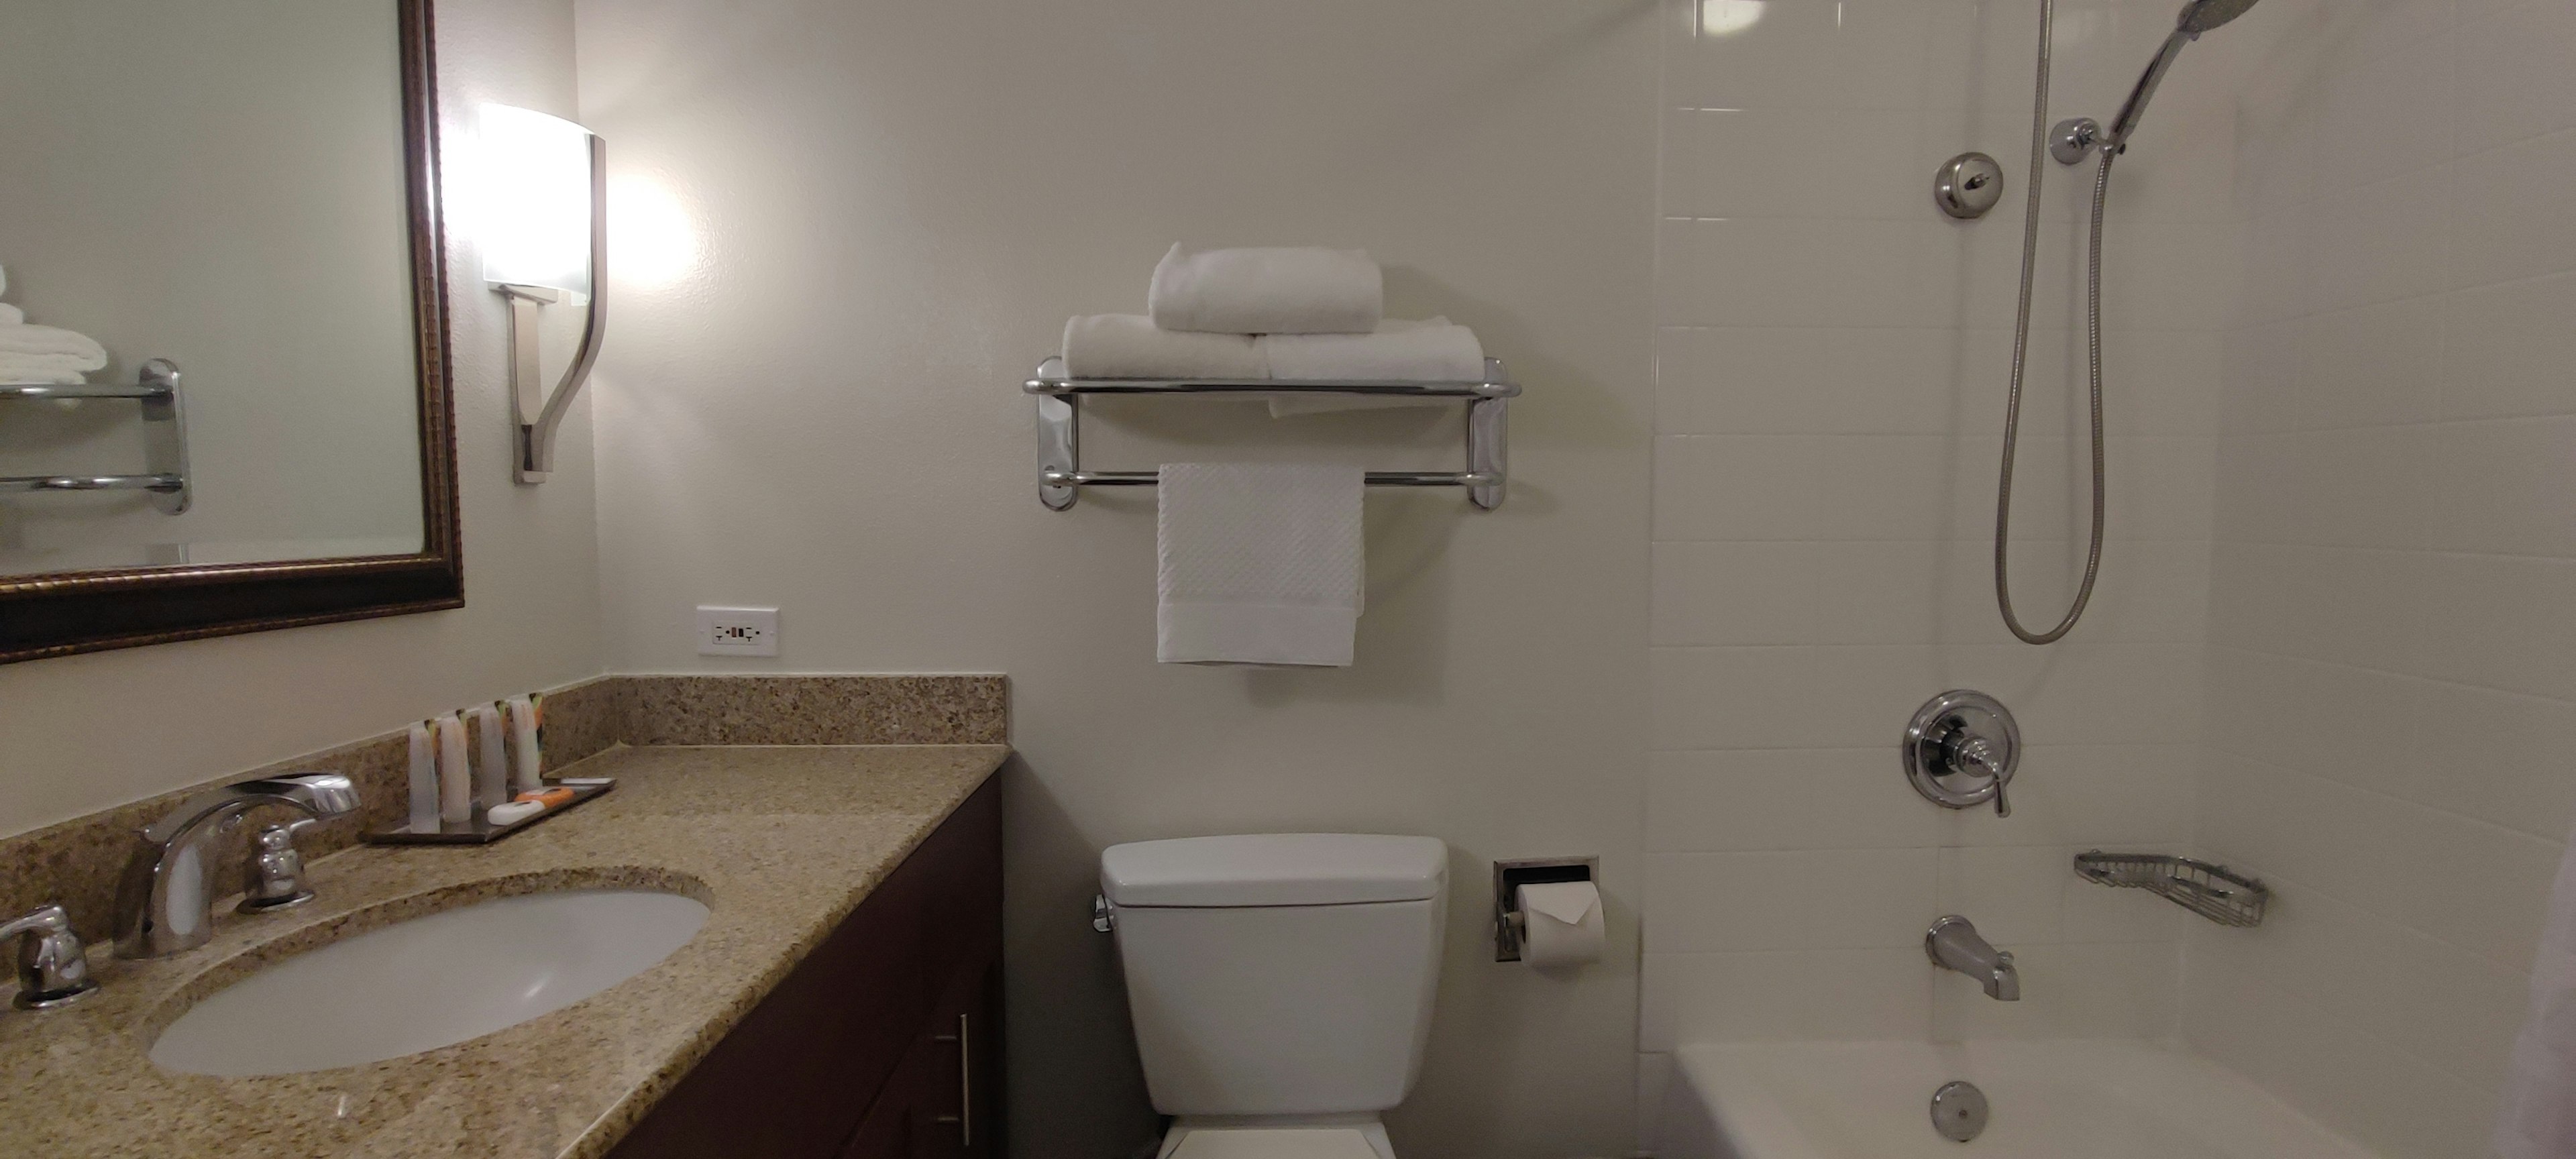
{"x": 428, "y": 982}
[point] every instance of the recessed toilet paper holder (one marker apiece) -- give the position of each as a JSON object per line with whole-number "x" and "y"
{"x": 1510, "y": 876}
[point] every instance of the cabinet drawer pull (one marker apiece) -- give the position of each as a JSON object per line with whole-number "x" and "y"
{"x": 965, "y": 1116}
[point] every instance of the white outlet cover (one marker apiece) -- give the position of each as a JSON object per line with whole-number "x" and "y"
{"x": 737, "y": 631}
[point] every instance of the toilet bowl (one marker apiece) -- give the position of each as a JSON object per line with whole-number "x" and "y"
{"x": 1280, "y": 985}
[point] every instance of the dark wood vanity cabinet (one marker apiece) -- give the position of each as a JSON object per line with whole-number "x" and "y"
{"x": 884, "y": 1043}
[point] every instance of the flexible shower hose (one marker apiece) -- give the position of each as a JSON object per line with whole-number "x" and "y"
{"x": 2021, "y": 352}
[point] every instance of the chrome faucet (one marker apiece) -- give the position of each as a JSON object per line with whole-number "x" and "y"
{"x": 1953, "y": 944}
{"x": 52, "y": 967}
{"x": 165, "y": 904}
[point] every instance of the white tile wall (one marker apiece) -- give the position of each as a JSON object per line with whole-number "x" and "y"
{"x": 2392, "y": 676}
{"x": 2335, "y": 640}
{"x": 1831, "y": 371}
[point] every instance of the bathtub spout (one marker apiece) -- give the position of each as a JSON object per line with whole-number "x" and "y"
{"x": 1952, "y": 944}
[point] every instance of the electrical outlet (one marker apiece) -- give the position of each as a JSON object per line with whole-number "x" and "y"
{"x": 737, "y": 631}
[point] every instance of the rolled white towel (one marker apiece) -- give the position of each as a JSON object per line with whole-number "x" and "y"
{"x": 1131, "y": 346}
{"x": 1274, "y": 290}
{"x": 11, "y": 315}
{"x": 52, "y": 340}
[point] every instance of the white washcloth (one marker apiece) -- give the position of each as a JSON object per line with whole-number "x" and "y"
{"x": 1280, "y": 290}
{"x": 1260, "y": 563}
{"x": 1431, "y": 350}
{"x": 53, "y": 340}
{"x": 2538, "y": 1119}
{"x": 1129, "y": 346}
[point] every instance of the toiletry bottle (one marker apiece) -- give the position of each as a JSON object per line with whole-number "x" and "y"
{"x": 527, "y": 759}
{"x": 455, "y": 775}
{"x": 424, "y": 779}
{"x": 492, "y": 772}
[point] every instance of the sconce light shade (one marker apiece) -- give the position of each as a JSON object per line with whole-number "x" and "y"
{"x": 543, "y": 223}
{"x": 535, "y": 225}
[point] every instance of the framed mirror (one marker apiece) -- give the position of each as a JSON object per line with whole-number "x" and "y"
{"x": 224, "y": 382}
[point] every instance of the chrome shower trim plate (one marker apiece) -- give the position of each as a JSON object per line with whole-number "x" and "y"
{"x": 1961, "y": 749}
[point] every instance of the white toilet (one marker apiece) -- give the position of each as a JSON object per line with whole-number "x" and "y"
{"x": 1280, "y": 985}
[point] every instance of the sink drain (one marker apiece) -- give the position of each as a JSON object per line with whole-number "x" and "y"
{"x": 1959, "y": 1111}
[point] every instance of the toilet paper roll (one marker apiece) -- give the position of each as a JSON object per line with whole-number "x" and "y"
{"x": 1563, "y": 924}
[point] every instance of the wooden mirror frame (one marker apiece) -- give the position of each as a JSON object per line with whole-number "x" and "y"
{"x": 57, "y": 614}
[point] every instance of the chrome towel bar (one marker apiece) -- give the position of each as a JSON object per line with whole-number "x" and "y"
{"x": 165, "y": 438}
{"x": 1059, "y": 398}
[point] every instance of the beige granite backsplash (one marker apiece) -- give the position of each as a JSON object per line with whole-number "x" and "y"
{"x": 77, "y": 862}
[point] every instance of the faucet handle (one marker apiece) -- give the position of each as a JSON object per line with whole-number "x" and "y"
{"x": 273, "y": 879}
{"x": 53, "y": 969}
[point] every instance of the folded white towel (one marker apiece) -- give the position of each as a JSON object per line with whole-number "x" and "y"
{"x": 1431, "y": 350}
{"x": 1129, "y": 346}
{"x": 37, "y": 373}
{"x": 1279, "y": 290}
{"x": 52, "y": 340}
{"x": 1260, "y": 563}
{"x": 2538, "y": 1119}
{"x": 54, "y": 368}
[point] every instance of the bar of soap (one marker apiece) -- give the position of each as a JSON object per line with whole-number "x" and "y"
{"x": 514, "y": 812}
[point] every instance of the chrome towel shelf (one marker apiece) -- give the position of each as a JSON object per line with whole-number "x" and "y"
{"x": 1059, "y": 396}
{"x": 165, "y": 438}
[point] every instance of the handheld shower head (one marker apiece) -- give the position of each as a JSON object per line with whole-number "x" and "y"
{"x": 2200, "y": 16}
{"x": 2197, "y": 17}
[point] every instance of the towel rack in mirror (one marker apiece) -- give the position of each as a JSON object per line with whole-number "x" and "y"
{"x": 1059, "y": 395}
{"x": 165, "y": 438}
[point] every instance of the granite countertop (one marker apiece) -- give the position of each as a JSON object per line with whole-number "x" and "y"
{"x": 781, "y": 843}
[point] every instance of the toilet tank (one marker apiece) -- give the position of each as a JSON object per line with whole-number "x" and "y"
{"x": 1281, "y": 973}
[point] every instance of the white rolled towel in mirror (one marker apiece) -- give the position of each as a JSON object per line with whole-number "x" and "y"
{"x": 1267, "y": 290}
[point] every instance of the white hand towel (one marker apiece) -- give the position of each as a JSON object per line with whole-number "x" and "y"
{"x": 1280, "y": 290}
{"x": 1431, "y": 350}
{"x": 1129, "y": 346}
{"x": 1260, "y": 563}
{"x": 54, "y": 340}
{"x": 2538, "y": 1120}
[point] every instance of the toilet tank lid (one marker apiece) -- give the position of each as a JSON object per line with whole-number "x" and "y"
{"x": 1274, "y": 869}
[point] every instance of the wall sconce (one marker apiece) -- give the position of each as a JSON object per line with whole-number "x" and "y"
{"x": 544, "y": 230}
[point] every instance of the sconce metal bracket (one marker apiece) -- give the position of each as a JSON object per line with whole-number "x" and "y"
{"x": 537, "y": 416}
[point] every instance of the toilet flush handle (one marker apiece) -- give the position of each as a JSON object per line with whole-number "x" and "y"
{"x": 1103, "y": 918}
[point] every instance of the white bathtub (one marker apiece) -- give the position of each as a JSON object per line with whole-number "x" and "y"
{"x": 2051, "y": 1100}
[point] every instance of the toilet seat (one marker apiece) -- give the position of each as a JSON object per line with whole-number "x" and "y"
{"x": 1273, "y": 1143}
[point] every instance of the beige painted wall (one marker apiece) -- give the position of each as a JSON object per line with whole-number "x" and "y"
{"x": 81, "y": 733}
{"x": 898, "y": 205}
{"x": 222, "y": 186}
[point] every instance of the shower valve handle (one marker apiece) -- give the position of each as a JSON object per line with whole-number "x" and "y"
{"x": 1971, "y": 751}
